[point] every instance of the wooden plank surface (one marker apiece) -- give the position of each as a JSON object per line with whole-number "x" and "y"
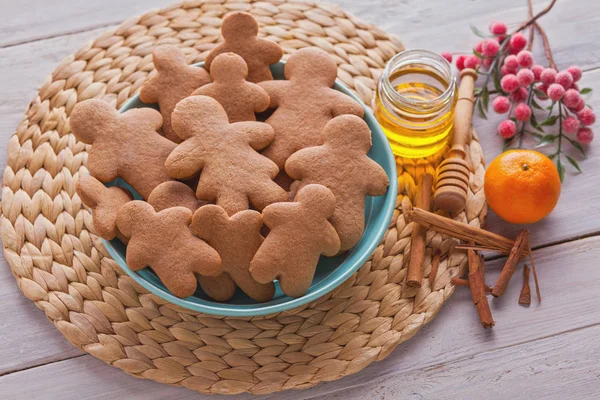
{"x": 454, "y": 335}
{"x": 36, "y": 35}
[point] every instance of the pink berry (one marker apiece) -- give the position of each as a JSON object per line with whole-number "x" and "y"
{"x": 525, "y": 58}
{"x": 522, "y": 112}
{"x": 487, "y": 62}
{"x": 587, "y": 117}
{"x": 460, "y": 62}
{"x": 507, "y": 129}
{"x": 509, "y": 83}
{"x": 537, "y": 71}
{"x": 579, "y": 106}
{"x": 556, "y": 92}
{"x": 479, "y": 47}
{"x": 501, "y": 104}
{"x": 575, "y": 86}
{"x": 525, "y": 77}
{"x": 511, "y": 63}
{"x": 518, "y": 41}
{"x": 571, "y": 98}
{"x": 504, "y": 71}
{"x": 544, "y": 89}
{"x": 575, "y": 72}
{"x": 585, "y": 136}
{"x": 490, "y": 47}
{"x": 497, "y": 28}
{"x": 447, "y": 55}
{"x": 564, "y": 79}
{"x": 570, "y": 125}
{"x": 548, "y": 76}
{"x": 519, "y": 95}
{"x": 472, "y": 62}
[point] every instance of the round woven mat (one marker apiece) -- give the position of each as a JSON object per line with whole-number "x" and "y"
{"x": 61, "y": 265}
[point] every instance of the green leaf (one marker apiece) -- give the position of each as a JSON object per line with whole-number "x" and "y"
{"x": 507, "y": 143}
{"x": 485, "y": 98}
{"x": 585, "y": 90}
{"x": 549, "y": 121}
{"x": 480, "y": 109}
{"x": 539, "y": 93}
{"x": 478, "y": 32}
{"x": 536, "y": 105}
{"x": 588, "y": 106}
{"x": 534, "y": 134}
{"x": 534, "y": 123}
{"x": 497, "y": 85}
{"x": 573, "y": 163}
{"x": 560, "y": 168}
{"x": 551, "y": 156}
{"x": 546, "y": 140}
{"x": 575, "y": 144}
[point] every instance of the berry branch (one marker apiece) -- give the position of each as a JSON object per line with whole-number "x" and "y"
{"x": 520, "y": 86}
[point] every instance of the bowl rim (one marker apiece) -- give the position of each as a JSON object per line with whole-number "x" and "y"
{"x": 260, "y": 309}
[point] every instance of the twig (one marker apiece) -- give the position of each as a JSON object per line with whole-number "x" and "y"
{"x": 532, "y": 29}
{"x": 536, "y": 17}
{"x": 546, "y": 42}
{"x": 535, "y": 278}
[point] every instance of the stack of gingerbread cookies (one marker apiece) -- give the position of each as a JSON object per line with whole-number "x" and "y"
{"x": 229, "y": 201}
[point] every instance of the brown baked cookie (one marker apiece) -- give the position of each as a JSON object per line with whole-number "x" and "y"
{"x": 174, "y": 194}
{"x": 341, "y": 164}
{"x": 299, "y": 234}
{"x": 104, "y": 202}
{"x": 240, "y": 98}
{"x": 236, "y": 239}
{"x": 123, "y": 145}
{"x": 240, "y": 32}
{"x": 233, "y": 173}
{"x": 177, "y": 194}
{"x": 164, "y": 242}
{"x": 174, "y": 80}
{"x": 304, "y": 103}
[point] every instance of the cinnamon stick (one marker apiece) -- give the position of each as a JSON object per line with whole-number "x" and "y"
{"x": 525, "y": 296}
{"x": 435, "y": 265}
{"x": 465, "y": 282}
{"x": 417, "y": 246}
{"x": 477, "y": 287}
{"x": 510, "y": 266}
{"x": 460, "y": 230}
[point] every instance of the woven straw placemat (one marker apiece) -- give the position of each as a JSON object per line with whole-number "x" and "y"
{"x": 61, "y": 265}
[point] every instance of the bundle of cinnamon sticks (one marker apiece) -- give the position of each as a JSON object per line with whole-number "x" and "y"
{"x": 475, "y": 240}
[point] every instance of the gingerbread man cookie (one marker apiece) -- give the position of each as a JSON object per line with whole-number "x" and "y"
{"x": 236, "y": 239}
{"x": 233, "y": 173}
{"x": 164, "y": 242}
{"x": 240, "y": 32}
{"x": 341, "y": 164}
{"x": 299, "y": 234}
{"x": 104, "y": 202}
{"x": 304, "y": 103}
{"x": 240, "y": 98}
{"x": 123, "y": 145}
{"x": 174, "y": 194}
{"x": 174, "y": 80}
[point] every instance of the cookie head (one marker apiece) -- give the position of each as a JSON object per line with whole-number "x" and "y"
{"x": 311, "y": 64}
{"x": 318, "y": 198}
{"x": 197, "y": 111}
{"x": 239, "y": 25}
{"x": 90, "y": 117}
{"x": 227, "y": 67}
{"x": 348, "y": 131}
{"x": 166, "y": 57}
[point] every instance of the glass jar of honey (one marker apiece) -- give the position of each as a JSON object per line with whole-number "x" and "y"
{"x": 414, "y": 103}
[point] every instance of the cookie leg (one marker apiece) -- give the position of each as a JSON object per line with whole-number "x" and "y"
{"x": 256, "y": 291}
{"x": 232, "y": 201}
{"x": 297, "y": 283}
{"x": 219, "y": 288}
{"x": 181, "y": 285}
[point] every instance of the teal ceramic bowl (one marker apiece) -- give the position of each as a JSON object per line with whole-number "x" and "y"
{"x": 330, "y": 273}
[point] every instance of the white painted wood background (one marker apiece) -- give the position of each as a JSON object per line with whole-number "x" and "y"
{"x": 544, "y": 351}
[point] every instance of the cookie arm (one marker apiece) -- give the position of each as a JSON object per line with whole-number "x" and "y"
{"x": 302, "y": 161}
{"x": 331, "y": 241}
{"x": 344, "y": 104}
{"x": 184, "y": 161}
{"x": 260, "y": 98}
{"x": 147, "y": 117}
{"x": 272, "y": 51}
{"x": 102, "y": 163}
{"x": 149, "y": 92}
{"x": 376, "y": 179}
{"x": 274, "y": 90}
{"x": 259, "y": 134}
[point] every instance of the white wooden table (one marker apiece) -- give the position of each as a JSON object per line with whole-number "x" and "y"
{"x": 549, "y": 350}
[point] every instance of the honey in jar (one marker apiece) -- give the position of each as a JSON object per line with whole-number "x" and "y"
{"x": 414, "y": 103}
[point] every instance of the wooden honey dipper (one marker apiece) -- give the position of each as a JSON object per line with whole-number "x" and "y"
{"x": 453, "y": 172}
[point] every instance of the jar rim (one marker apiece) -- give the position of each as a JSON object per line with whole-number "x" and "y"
{"x": 427, "y": 57}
